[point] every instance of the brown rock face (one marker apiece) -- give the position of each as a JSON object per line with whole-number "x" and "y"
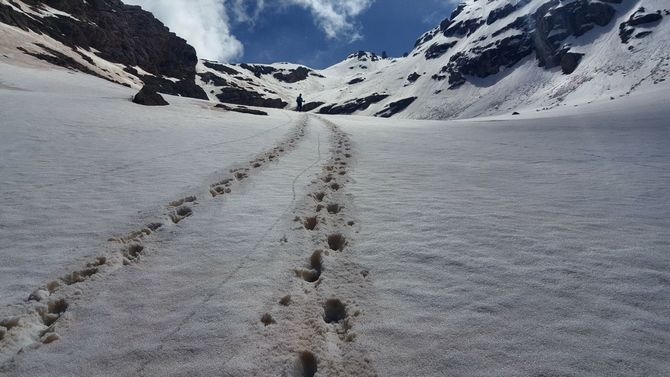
{"x": 122, "y": 34}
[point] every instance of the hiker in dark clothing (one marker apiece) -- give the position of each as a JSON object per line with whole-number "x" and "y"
{"x": 300, "y": 101}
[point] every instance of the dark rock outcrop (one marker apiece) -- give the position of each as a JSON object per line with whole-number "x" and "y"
{"x": 503, "y": 12}
{"x": 364, "y": 56}
{"x": 436, "y": 50}
{"x": 58, "y": 58}
{"x": 209, "y": 77}
{"x": 352, "y": 106}
{"x": 356, "y": 80}
{"x": 640, "y": 17}
{"x": 309, "y": 106}
{"x": 221, "y": 68}
{"x": 570, "y": 61}
{"x": 119, "y": 33}
{"x": 463, "y": 28}
{"x": 293, "y": 76}
{"x": 239, "y": 96}
{"x": 542, "y": 32}
{"x": 241, "y": 109}
{"x": 427, "y": 37}
{"x": 395, "y": 107}
{"x": 147, "y": 96}
{"x": 259, "y": 70}
{"x": 413, "y": 77}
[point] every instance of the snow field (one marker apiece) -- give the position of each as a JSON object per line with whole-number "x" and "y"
{"x": 517, "y": 247}
{"x": 198, "y": 286}
{"x": 56, "y": 231}
{"x": 527, "y": 245}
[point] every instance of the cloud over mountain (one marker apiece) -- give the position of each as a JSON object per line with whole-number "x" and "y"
{"x": 205, "y": 24}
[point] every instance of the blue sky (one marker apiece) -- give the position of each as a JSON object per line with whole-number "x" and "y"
{"x": 291, "y": 34}
{"x": 316, "y": 33}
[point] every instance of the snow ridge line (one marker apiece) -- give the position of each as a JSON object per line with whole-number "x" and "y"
{"x": 314, "y": 330}
{"x": 46, "y": 306}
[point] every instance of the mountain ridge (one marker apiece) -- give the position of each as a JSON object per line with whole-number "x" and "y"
{"x": 485, "y": 58}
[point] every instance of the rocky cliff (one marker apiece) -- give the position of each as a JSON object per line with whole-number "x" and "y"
{"x": 111, "y": 31}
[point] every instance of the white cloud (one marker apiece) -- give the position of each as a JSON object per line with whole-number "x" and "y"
{"x": 335, "y": 17}
{"x": 203, "y": 23}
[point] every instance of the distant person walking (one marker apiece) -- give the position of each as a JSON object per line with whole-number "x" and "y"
{"x": 299, "y": 100}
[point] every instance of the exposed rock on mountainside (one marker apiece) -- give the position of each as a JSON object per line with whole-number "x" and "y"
{"x": 294, "y": 75}
{"x": 148, "y": 97}
{"x": 258, "y": 69}
{"x": 112, "y": 31}
{"x": 639, "y": 18}
{"x": 352, "y": 106}
{"x": 309, "y": 106}
{"x": 241, "y": 109}
{"x": 395, "y": 107}
{"x": 413, "y": 77}
{"x": 542, "y": 32}
{"x": 487, "y": 57}
{"x": 220, "y": 68}
{"x": 241, "y": 96}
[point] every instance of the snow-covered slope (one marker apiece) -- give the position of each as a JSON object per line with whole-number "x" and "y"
{"x": 188, "y": 241}
{"x": 492, "y": 57}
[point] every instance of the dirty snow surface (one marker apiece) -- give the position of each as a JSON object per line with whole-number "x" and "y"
{"x": 190, "y": 241}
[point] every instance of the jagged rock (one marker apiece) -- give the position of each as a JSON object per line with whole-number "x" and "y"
{"x": 575, "y": 18}
{"x": 463, "y": 28}
{"x": 445, "y": 24}
{"x": 455, "y": 80}
{"x": 239, "y": 96}
{"x": 122, "y": 34}
{"x": 209, "y": 77}
{"x": 352, "y": 106}
{"x": 309, "y": 106}
{"x": 642, "y": 34}
{"x": 364, "y": 56}
{"x": 293, "y": 76}
{"x": 413, "y": 77}
{"x": 503, "y": 12}
{"x": 570, "y": 61}
{"x": 395, "y": 107}
{"x": 259, "y": 70}
{"x": 425, "y": 38}
{"x": 221, "y": 68}
{"x": 241, "y": 109}
{"x": 437, "y": 50}
{"x": 148, "y": 97}
{"x": 542, "y": 32}
{"x": 356, "y": 80}
{"x": 645, "y": 19}
{"x": 639, "y": 17}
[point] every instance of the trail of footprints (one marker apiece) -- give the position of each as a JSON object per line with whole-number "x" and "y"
{"x": 319, "y": 319}
{"x": 48, "y": 305}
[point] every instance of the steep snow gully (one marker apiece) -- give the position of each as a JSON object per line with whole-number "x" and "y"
{"x": 308, "y": 315}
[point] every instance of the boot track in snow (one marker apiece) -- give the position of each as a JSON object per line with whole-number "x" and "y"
{"x": 46, "y": 306}
{"x": 311, "y": 326}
